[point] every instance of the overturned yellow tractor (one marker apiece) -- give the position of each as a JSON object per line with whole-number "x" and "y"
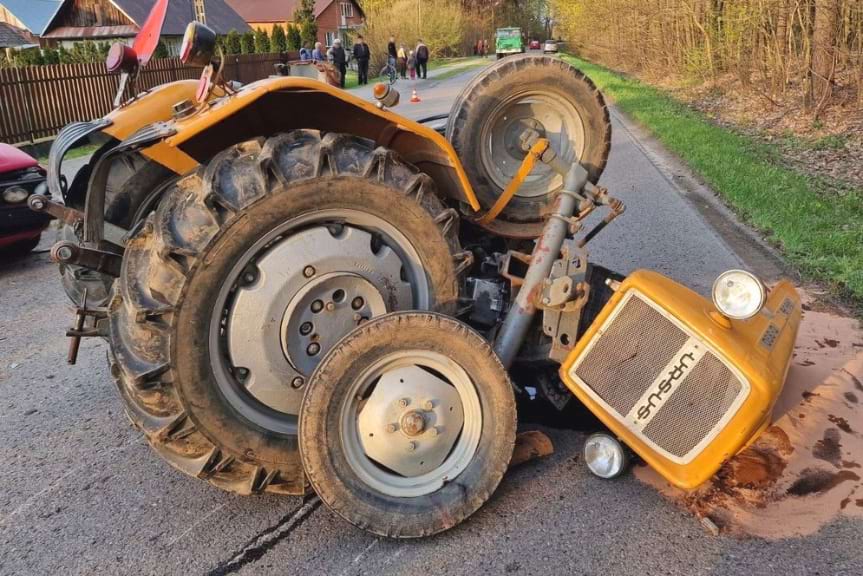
{"x": 301, "y": 288}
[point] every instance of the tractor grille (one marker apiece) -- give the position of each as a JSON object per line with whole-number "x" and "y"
{"x": 659, "y": 380}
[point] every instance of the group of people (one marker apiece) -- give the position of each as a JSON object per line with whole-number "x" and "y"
{"x": 406, "y": 62}
{"x": 480, "y": 48}
{"x": 413, "y": 62}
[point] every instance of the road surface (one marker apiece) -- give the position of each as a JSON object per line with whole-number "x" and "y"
{"x": 83, "y": 494}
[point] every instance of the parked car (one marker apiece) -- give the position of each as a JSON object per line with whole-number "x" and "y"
{"x": 534, "y": 45}
{"x": 550, "y": 47}
{"x": 21, "y": 176}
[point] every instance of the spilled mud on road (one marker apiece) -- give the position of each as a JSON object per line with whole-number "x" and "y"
{"x": 805, "y": 470}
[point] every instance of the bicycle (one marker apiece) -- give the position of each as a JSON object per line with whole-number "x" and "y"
{"x": 389, "y": 72}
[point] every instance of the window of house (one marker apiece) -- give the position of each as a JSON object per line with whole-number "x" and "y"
{"x": 200, "y": 12}
{"x": 347, "y": 9}
{"x": 330, "y": 37}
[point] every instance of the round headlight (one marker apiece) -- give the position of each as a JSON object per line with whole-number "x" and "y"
{"x": 738, "y": 294}
{"x": 15, "y": 195}
{"x": 604, "y": 455}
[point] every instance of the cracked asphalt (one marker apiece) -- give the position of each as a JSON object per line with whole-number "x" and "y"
{"x": 83, "y": 494}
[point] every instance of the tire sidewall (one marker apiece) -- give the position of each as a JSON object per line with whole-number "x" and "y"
{"x": 199, "y": 392}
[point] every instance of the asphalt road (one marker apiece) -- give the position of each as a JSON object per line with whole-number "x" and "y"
{"x": 82, "y": 493}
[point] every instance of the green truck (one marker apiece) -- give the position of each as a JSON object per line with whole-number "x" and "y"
{"x": 508, "y": 41}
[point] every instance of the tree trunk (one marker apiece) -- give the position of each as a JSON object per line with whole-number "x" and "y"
{"x": 823, "y": 52}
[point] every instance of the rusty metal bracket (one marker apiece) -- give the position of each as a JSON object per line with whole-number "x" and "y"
{"x": 507, "y": 268}
{"x": 43, "y": 204}
{"x": 99, "y": 260}
{"x": 80, "y": 330}
{"x": 564, "y": 294}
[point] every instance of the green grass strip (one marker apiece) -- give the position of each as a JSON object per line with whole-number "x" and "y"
{"x": 818, "y": 225}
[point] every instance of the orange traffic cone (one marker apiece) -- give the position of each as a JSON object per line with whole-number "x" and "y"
{"x": 415, "y": 97}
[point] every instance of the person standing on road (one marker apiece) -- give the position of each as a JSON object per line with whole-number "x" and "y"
{"x": 340, "y": 60}
{"x": 422, "y": 54}
{"x": 392, "y": 54}
{"x": 402, "y": 62}
{"x": 412, "y": 65}
{"x": 362, "y": 55}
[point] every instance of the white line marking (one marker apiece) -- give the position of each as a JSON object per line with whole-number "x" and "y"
{"x": 359, "y": 557}
{"x": 196, "y": 524}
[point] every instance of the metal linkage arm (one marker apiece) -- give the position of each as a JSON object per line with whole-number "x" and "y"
{"x": 568, "y": 201}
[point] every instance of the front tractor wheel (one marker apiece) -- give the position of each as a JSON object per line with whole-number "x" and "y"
{"x": 247, "y": 274}
{"x": 408, "y": 425}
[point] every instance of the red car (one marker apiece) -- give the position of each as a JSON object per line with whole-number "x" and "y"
{"x": 534, "y": 45}
{"x": 21, "y": 176}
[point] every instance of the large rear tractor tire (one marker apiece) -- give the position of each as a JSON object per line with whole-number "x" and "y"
{"x": 527, "y": 92}
{"x": 408, "y": 425}
{"x": 247, "y": 273}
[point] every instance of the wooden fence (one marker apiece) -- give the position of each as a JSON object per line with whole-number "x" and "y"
{"x": 37, "y": 101}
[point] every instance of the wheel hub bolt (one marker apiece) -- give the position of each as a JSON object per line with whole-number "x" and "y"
{"x": 433, "y": 431}
{"x": 412, "y": 446}
{"x": 317, "y": 306}
{"x": 242, "y": 373}
{"x": 297, "y": 382}
{"x": 306, "y": 328}
{"x": 331, "y": 306}
{"x": 391, "y": 428}
{"x": 357, "y": 303}
{"x": 403, "y": 403}
{"x": 249, "y": 277}
{"x": 428, "y": 405}
{"x": 308, "y": 271}
{"x": 313, "y": 349}
{"x": 358, "y": 317}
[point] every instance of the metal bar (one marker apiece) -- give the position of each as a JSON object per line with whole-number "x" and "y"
{"x": 518, "y": 319}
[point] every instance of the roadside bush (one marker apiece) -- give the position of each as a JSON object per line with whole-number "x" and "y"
{"x": 442, "y": 27}
{"x": 233, "y": 43}
{"x": 262, "y": 42}
{"x": 278, "y": 41}
{"x": 161, "y": 51}
{"x": 247, "y": 43}
{"x": 295, "y": 39}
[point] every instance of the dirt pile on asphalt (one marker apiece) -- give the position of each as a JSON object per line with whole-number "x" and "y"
{"x": 805, "y": 470}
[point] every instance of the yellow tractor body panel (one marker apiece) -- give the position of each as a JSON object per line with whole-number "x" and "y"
{"x": 156, "y": 105}
{"x": 280, "y": 104}
{"x": 708, "y": 397}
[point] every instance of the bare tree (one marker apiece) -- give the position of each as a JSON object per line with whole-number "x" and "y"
{"x": 823, "y": 52}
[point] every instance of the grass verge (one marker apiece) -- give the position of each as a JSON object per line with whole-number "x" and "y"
{"x": 818, "y": 226}
{"x": 73, "y": 153}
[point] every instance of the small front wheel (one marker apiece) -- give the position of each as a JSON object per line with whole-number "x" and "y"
{"x": 408, "y": 425}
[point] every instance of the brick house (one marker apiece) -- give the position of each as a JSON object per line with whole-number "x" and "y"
{"x": 335, "y": 18}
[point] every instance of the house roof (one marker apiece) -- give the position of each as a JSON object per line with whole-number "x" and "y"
{"x": 77, "y": 32}
{"x": 275, "y": 10}
{"x": 12, "y": 37}
{"x": 220, "y": 17}
{"x": 35, "y": 15}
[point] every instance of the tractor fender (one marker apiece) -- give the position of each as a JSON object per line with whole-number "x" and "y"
{"x": 156, "y": 105}
{"x": 281, "y": 104}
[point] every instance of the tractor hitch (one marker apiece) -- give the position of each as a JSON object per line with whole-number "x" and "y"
{"x": 77, "y": 255}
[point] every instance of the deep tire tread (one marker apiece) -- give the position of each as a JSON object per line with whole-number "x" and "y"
{"x": 168, "y": 248}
